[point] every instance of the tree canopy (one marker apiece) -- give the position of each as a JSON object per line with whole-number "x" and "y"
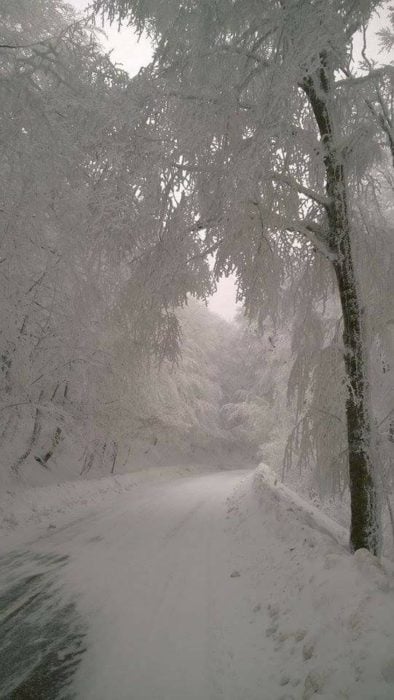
{"x": 255, "y": 144}
{"x": 272, "y": 130}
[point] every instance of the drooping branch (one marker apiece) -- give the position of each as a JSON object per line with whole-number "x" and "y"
{"x": 314, "y": 234}
{"x": 301, "y": 189}
{"x": 384, "y": 122}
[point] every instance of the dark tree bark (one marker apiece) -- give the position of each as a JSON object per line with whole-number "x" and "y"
{"x": 87, "y": 464}
{"x": 33, "y": 438}
{"x": 365, "y": 527}
{"x": 55, "y": 441}
{"x": 114, "y": 456}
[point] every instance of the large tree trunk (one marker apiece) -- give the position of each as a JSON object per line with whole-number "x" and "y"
{"x": 365, "y": 530}
{"x": 365, "y": 511}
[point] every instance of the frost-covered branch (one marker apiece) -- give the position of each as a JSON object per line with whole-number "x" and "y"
{"x": 302, "y": 189}
{"x": 373, "y": 75}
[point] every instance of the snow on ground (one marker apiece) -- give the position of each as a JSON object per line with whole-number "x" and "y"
{"x": 332, "y": 613}
{"x": 43, "y": 507}
{"x": 223, "y": 586}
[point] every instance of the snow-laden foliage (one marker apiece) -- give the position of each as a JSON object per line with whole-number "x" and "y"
{"x": 271, "y": 128}
{"x": 87, "y": 293}
{"x": 251, "y": 374}
{"x": 91, "y": 288}
{"x": 253, "y": 136}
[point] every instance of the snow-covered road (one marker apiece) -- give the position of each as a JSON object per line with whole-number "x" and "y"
{"x": 158, "y": 581}
{"x": 158, "y": 577}
{"x": 194, "y": 590}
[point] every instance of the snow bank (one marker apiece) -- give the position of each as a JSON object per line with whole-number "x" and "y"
{"x": 329, "y": 615}
{"x": 49, "y": 506}
{"x": 311, "y": 515}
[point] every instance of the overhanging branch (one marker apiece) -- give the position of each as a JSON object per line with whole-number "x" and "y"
{"x": 301, "y": 189}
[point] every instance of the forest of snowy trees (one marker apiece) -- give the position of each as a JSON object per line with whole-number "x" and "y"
{"x": 258, "y": 142}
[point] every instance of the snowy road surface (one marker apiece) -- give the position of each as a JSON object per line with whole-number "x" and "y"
{"x": 193, "y": 589}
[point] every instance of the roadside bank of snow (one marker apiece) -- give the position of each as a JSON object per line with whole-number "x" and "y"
{"x": 330, "y": 614}
{"x": 28, "y": 511}
{"x": 311, "y": 515}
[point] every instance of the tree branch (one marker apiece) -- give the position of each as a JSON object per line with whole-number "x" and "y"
{"x": 301, "y": 189}
{"x": 314, "y": 233}
{"x": 357, "y": 80}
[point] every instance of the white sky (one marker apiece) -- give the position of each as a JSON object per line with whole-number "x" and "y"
{"x": 133, "y": 53}
{"x": 124, "y": 44}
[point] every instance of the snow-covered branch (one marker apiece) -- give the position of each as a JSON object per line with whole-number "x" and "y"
{"x": 313, "y": 232}
{"x": 301, "y": 189}
{"x": 373, "y": 75}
